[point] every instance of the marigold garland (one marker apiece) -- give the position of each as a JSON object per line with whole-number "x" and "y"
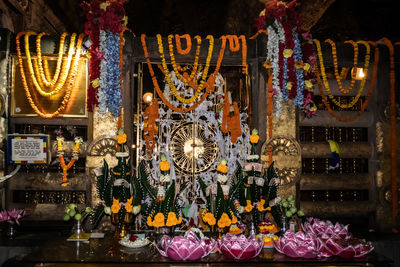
{"x": 393, "y": 135}
{"x": 75, "y": 156}
{"x": 195, "y": 63}
{"x": 234, "y": 45}
{"x": 210, "y": 80}
{"x": 325, "y": 79}
{"x": 47, "y": 80}
{"x": 335, "y": 64}
{"x": 258, "y": 33}
{"x": 150, "y": 126}
{"x": 244, "y": 54}
{"x": 64, "y": 72}
{"x": 269, "y": 115}
{"x": 364, "y": 105}
{"x": 71, "y": 79}
{"x": 203, "y": 76}
{"x": 179, "y": 45}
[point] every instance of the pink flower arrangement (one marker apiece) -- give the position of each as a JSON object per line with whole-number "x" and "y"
{"x": 185, "y": 248}
{"x": 12, "y": 217}
{"x": 322, "y": 239}
{"x": 299, "y": 245}
{"x": 239, "y": 247}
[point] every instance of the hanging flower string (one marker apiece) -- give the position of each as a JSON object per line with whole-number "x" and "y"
{"x": 365, "y": 103}
{"x": 75, "y": 157}
{"x": 70, "y": 79}
{"x": 325, "y": 78}
{"x": 393, "y": 131}
{"x": 107, "y": 17}
{"x": 179, "y": 45}
{"x": 210, "y": 81}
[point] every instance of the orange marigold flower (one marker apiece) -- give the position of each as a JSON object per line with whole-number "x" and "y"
{"x": 179, "y": 220}
{"x": 164, "y": 165}
{"x": 224, "y": 221}
{"x": 121, "y": 138}
{"x": 268, "y": 208}
{"x": 149, "y": 222}
{"x": 209, "y": 218}
{"x": 254, "y": 138}
{"x": 159, "y": 220}
{"x": 299, "y": 64}
{"x": 222, "y": 168}
{"x": 115, "y": 206}
{"x": 172, "y": 220}
{"x": 234, "y": 219}
{"x": 248, "y": 207}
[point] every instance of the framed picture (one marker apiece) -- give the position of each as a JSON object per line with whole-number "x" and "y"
{"x": 76, "y": 105}
{"x": 28, "y": 148}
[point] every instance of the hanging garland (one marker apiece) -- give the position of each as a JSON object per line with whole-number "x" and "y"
{"x": 365, "y": 104}
{"x": 393, "y": 134}
{"x": 210, "y": 80}
{"x": 107, "y": 17}
{"x": 325, "y": 78}
{"x": 64, "y": 73}
{"x": 47, "y": 80}
{"x": 195, "y": 63}
{"x": 269, "y": 115}
{"x": 71, "y": 79}
{"x": 121, "y": 66}
{"x": 335, "y": 64}
{"x": 179, "y": 45}
{"x": 203, "y": 76}
{"x": 75, "y": 157}
{"x": 150, "y": 126}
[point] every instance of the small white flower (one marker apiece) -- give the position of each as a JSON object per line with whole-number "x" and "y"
{"x": 107, "y": 210}
{"x": 135, "y": 210}
{"x": 241, "y": 209}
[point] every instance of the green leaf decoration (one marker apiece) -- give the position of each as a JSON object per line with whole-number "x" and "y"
{"x": 102, "y": 180}
{"x": 98, "y": 215}
{"x": 167, "y": 204}
{"x": 219, "y": 202}
{"x": 108, "y": 193}
{"x": 144, "y": 181}
{"x": 137, "y": 192}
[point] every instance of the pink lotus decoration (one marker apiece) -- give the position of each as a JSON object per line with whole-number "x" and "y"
{"x": 239, "y": 247}
{"x": 185, "y": 248}
{"x": 326, "y": 229}
{"x": 12, "y": 216}
{"x": 349, "y": 248}
{"x": 322, "y": 239}
{"x": 299, "y": 245}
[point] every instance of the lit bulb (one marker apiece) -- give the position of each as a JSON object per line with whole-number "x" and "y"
{"x": 148, "y": 97}
{"x": 358, "y": 73}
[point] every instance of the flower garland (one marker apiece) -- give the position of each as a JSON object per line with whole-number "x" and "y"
{"x": 204, "y": 72}
{"x": 46, "y": 78}
{"x": 179, "y": 45}
{"x": 64, "y": 73}
{"x": 210, "y": 80}
{"x": 261, "y": 31}
{"x": 393, "y": 134}
{"x": 269, "y": 115}
{"x": 245, "y": 67}
{"x": 150, "y": 126}
{"x": 108, "y": 16}
{"x": 325, "y": 79}
{"x": 75, "y": 157}
{"x": 335, "y": 64}
{"x": 71, "y": 79}
{"x": 195, "y": 64}
{"x": 234, "y": 44}
{"x": 298, "y": 58}
{"x": 365, "y": 103}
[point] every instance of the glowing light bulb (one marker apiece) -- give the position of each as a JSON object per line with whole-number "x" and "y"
{"x": 148, "y": 97}
{"x": 358, "y": 73}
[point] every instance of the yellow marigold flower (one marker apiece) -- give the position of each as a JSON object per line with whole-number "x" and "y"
{"x": 128, "y": 207}
{"x": 104, "y": 5}
{"x": 222, "y": 168}
{"x": 260, "y": 208}
{"x": 179, "y": 220}
{"x": 172, "y": 220}
{"x": 308, "y": 83}
{"x": 121, "y": 138}
{"x": 289, "y": 85}
{"x": 149, "y": 222}
{"x": 287, "y": 53}
{"x": 248, "y": 207}
{"x": 306, "y": 67}
{"x": 267, "y": 64}
{"x": 234, "y": 219}
{"x": 209, "y": 218}
{"x": 115, "y": 206}
{"x": 164, "y": 165}
{"x": 125, "y": 20}
{"x": 254, "y": 138}
{"x": 95, "y": 83}
{"x": 158, "y": 220}
{"x": 268, "y": 208}
{"x": 224, "y": 221}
